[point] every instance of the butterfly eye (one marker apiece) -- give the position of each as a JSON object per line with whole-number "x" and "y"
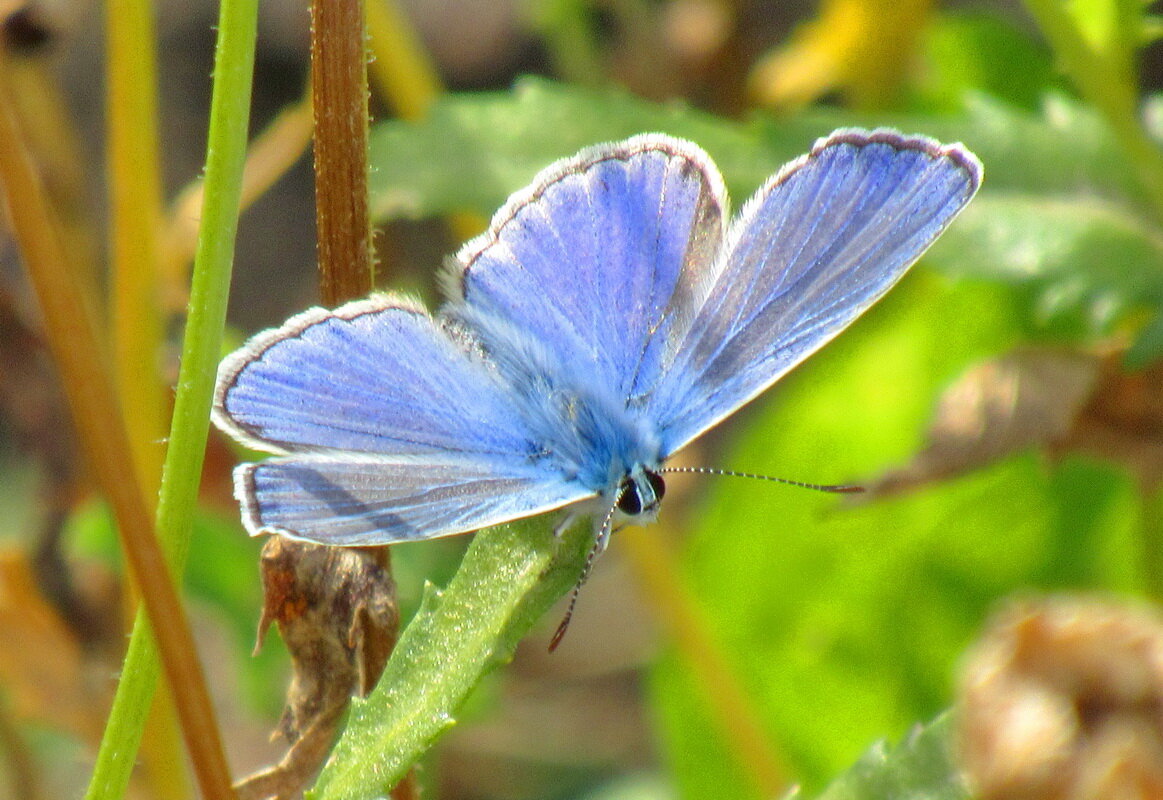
{"x": 630, "y": 496}
{"x": 657, "y": 484}
{"x": 629, "y": 501}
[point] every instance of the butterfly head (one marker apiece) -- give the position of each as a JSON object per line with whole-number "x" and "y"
{"x": 640, "y": 493}
{"x": 636, "y": 499}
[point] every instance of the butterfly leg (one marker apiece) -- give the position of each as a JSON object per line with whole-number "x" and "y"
{"x": 566, "y": 522}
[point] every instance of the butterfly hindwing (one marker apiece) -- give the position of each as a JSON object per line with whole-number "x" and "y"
{"x": 349, "y": 499}
{"x": 810, "y": 252}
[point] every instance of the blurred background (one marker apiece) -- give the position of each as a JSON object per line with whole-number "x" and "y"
{"x": 1003, "y": 405}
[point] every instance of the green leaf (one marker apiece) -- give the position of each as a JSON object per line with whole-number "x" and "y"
{"x": 919, "y": 768}
{"x": 1086, "y": 260}
{"x": 509, "y": 577}
{"x": 971, "y": 51}
{"x": 1079, "y": 241}
{"x": 1064, "y": 148}
{"x": 473, "y": 150}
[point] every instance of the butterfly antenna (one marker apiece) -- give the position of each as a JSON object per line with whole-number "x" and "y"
{"x": 819, "y": 487}
{"x": 595, "y": 551}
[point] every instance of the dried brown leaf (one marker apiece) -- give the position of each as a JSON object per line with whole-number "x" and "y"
{"x": 45, "y": 671}
{"x": 1062, "y": 699}
{"x": 1123, "y": 422}
{"x": 336, "y": 610}
{"x": 1059, "y": 401}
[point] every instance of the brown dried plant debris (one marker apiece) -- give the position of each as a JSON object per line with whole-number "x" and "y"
{"x": 336, "y": 610}
{"x": 1062, "y": 699}
{"x": 1057, "y": 400}
{"x": 34, "y": 417}
{"x": 47, "y": 674}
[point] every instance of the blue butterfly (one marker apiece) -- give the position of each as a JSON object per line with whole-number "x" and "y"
{"x": 608, "y": 317}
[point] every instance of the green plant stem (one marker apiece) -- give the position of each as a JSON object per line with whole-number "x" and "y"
{"x": 73, "y": 336}
{"x": 135, "y": 218}
{"x": 226, "y": 150}
{"x": 133, "y": 180}
{"x": 509, "y": 577}
{"x": 1105, "y": 85}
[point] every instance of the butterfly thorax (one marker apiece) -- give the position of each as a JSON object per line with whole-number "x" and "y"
{"x": 591, "y": 436}
{"x": 594, "y": 440}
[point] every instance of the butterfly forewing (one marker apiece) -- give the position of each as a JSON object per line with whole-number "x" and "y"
{"x": 823, "y": 241}
{"x": 370, "y": 377}
{"x": 586, "y": 261}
